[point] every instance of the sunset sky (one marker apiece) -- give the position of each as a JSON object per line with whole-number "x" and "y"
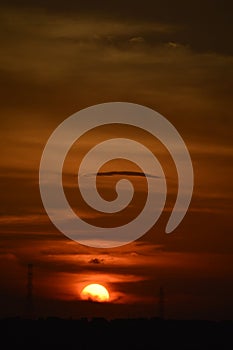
{"x": 175, "y": 57}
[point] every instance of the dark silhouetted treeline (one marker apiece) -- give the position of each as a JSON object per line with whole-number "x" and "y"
{"x": 95, "y": 334}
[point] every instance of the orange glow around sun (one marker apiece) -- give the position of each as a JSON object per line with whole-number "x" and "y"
{"x": 95, "y": 292}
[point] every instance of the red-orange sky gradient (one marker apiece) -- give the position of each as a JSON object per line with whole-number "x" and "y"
{"x": 172, "y": 56}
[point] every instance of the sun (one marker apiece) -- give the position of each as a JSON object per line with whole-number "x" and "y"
{"x": 95, "y": 292}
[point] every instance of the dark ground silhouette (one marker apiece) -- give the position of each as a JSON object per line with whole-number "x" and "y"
{"x": 55, "y": 333}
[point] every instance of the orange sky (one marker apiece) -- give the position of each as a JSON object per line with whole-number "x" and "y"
{"x": 55, "y": 62}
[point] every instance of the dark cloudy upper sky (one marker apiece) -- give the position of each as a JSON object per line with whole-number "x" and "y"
{"x": 176, "y": 57}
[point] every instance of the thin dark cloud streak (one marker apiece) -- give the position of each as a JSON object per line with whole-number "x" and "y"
{"x": 126, "y": 173}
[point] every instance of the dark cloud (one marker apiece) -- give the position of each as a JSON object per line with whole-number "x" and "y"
{"x": 204, "y": 25}
{"x": 127, "y": 173}
{"x": 95, "y": 261}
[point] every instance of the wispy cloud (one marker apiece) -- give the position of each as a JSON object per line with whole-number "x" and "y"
{"x": 23, "y": 219}
{"x": 126, "y": 173}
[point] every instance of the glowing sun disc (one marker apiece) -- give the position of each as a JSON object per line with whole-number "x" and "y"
{"x": 95, "y": 292}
